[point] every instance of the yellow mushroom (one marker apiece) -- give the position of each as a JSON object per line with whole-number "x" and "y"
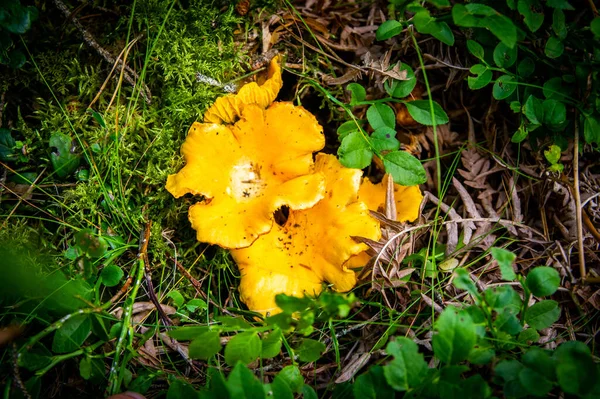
{"x": 408, "y": 202}
{"x": 248, "y": 170}
{"x": 312, "y": 246}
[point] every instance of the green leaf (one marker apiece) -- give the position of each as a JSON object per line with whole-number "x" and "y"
{"x": 577, "y": 374}
{"x": 64, "y": 160}
{"x": 271, "y": 344}
{"x": 543, "y": 280}
{"x": 7, "y": 146}
{"x": 507, "y": 321}
{"x": 216, "y": 387}
{"x": 402, "y": 88}
{"x": 555, "y": 89}
{"x": 475, "y": 49}
{"x": 591, "y": 129}
{"x": 595, "y": 26}
{"x": 542, "y": 314}
{"x": 481, "y": 355}
{"x": 456, "y": 336}
{"x": 205, "y": 345}
{"x": 562, "y": 4}
{"x": 355, "y": 151}
{"x": 520, "y": 135}
{"x": 528, "y": 335}
{"x": 515, "y": 106}
{"x": 187, "y": 333}
{"x": 179, "y": 389}
{"x": 505, "y": 261}
{"x": 508, "y": 370}
{"x": 98, "y": 117}
{"x": 346, "y": 128}
{"x": 384, "y": 139}
{"x": 292, "y": 304}
{"x": 293, "y": 378}
{"x": 17, "y": 19}
{"x": 196, "y": 304}
{"x": 372, "y": 385}
{"x": 244, "y": 347}
{"x": 483, "y": 77}
{"x": 463, "y": 281}
{"x": 532, "y": 12}
{"x": 463, "y": 17}
{"x": 539, "y": 360}
{"x": 504, "y": 56}
{"x": 381, "y": 115}
{"x": 408, "y": 368}
{"x": 36, "y": 358}
{"x": 279, "y": 389}
{"x": 425, "y": 23}
{"x": 90, "y": 243}
{"x": 388, "y": 29}
{"x": 555, "y": 112}
{"x": 111, "y": 275}
{"x": 310, "y": 350}
{"x": 71, "y": 335}
{"x": 526, "y": 67}
{"x": 504, "y": 86}
{"x": 504, "y": 296}
{"x": 308, "y": 392}
{"x": 533, "y": 109}
{"x": 439, "y": 3}
{"x": 242, "y": 384}
{"x": 503, "y": 28}
{"x": 558, "y": 24}
{"x": 420, "y": 110}
{"x": 554, "y": 47}
{"x": 177, "y": 298}
{"x": 357, "y": 93}
{"x": 535, "y": 383}
{"x": 404, "y": 168}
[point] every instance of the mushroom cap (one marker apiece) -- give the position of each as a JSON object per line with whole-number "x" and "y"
{"x": 229, "y": 108}
{"x": 247, "y": 171}
{"x": 312, "y": 246}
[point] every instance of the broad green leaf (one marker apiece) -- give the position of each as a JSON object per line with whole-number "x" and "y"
{"x": 527, "y": 335}
{"x": 455, "y": 336}
{"x": 508, "y": 370}
{"x": 346, "y": 128}
{"x": 242, "y": 384}
{"x": 205, "y": 345}
{"x": 503, "y": 28}
{"x": 463, "y": 17}
{"x": 439, "y": 3}
{"x": 474, "y": 387}
{"x": 271, "y": 344}
{"x": 558, "y": 24}
{"x": 111, "y": 275}
{"x": 372, "y": 385}
{"x": 520, "y": 135}
{"x": 381, "y": 115}
{"x": 505, "y": 261}
{"x": 554, "y": 47}
{"x": 36, "y": 358}
{"x": 308, "y": 392}
{"x": 404, "y": 168}
{"x": 481, "y": 355}
{"x": 555, "y": 112}
{"x": 542, "y": 314}
{"x": 543, "y": 280}
{"x": 502, "y": 297}
{"x": 556, "y": 89}
{"x": 425, "y": 23}
{"x": 279, "y": 389}
{"x": 595, "y": 26}
{"x": 388, "y": 29}
{"x": 504, "y": 86}
{"x": 535, "y": 383}
{"x": 384, "y": 139}
{"x": 562, "y": 4}
{"x": 504, "y": 56}
{"x": 507, "y": 321}
{"x": 64, "y": 159}
{"x": 577, "y": 374}
{"x": 293, "y": 378}
{"x": 292, "y": 304}
{"x": 534, "y": 110}
{"x": 310, "y": 350}
{"x": 532, "y": 12}
{"x": 244, "y": 347}
{"x": 216, "y": 387}
{"x": 526, "y": 67}
{"x": 357, "y": 93}
{"x": 177, "y": 298}
{"x": 483, "y": 77}
{"x": 71, "y": 335}
{"x": 98, "y": 117}
{"x": 7, "y": 146}
{"x": 591, "y": 129}
{"x": 420, "y": 110}
{"x": 90, "y": 243}
{"x": 17, "y": 19}
{"x": 408, "y": 368}
{"x": 463, "y": 281}
{"x": 187, "y": 333}
{"x": 475, "y": 49}
{"x": 355, "y": 151}
{"x": 179, "y": 389}
{"x": 402, "y": 88}
{"x": 232, "y": 323}
{"x": 196, "y": 304}
{"x": 539, "y": 360}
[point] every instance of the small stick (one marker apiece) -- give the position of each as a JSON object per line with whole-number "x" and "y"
{"x": 578, "y": 209}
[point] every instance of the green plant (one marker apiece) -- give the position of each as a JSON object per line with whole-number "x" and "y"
{"x": 539, "y": 61}
{"x": 15, "y": 19}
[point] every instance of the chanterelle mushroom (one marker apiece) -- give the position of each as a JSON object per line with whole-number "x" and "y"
{"x": 312, "y": 246}
{"x": 248, "y": 170}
